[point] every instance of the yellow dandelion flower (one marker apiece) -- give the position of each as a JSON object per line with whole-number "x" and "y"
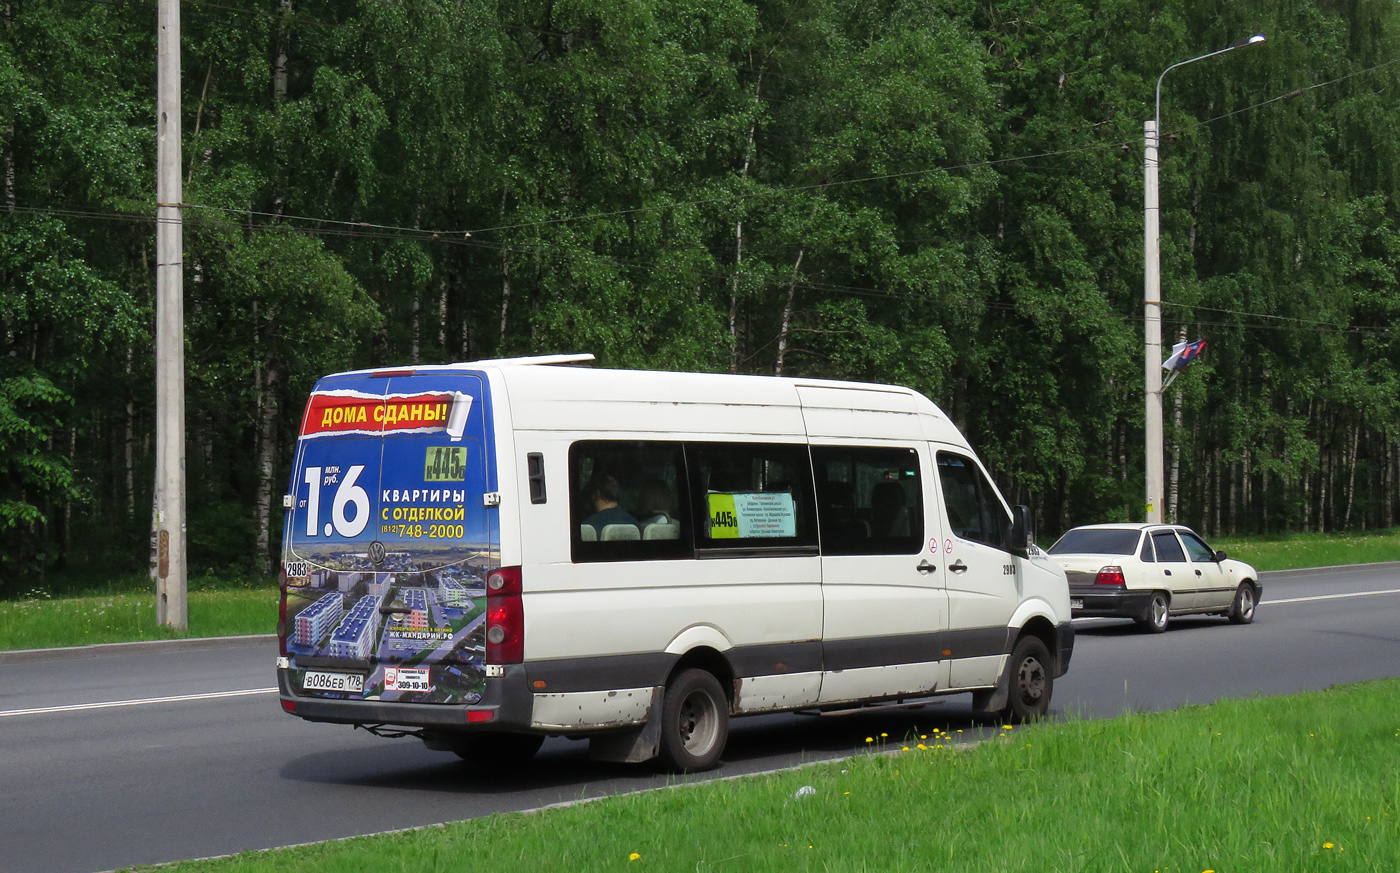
{"x": 870, "y": 739}
{"x": 1326, "y": 845}
{"x": 922, "y": 747}
{"x": 634, "y": 856}
{"x": 884, "y": 734}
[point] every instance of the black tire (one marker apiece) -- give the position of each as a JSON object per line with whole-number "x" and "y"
{"x": 1154, "y": 619}
{"x": 1031, "y": 675}
{"x": 495, "y": 751}
{"x": 694, "y": 722}
{"x": 1242, "y": 607}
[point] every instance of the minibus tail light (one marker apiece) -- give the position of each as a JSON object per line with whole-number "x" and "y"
{"x": 505, "y": 617}
{"x": 1110, "y": 575}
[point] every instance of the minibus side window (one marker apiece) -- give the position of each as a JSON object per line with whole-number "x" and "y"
{"x": 627, "y": 502}
{"x": 752, "y": 496}
{"x": 974, "y": 512}
{"x": 869, "y": 500}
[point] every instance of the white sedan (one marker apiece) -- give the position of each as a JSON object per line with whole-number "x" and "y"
{"x": 1150, "y": 572}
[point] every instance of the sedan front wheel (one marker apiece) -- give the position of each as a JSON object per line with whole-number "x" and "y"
{"x": 1242, "y": 608}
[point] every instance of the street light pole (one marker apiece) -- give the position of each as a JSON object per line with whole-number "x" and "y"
{"x": 1152, "y": 289}
{"x": 168, "y": 567}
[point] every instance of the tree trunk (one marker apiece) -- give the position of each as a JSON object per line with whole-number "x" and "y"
{"x": 505, "y": 298}
{"x": 739, "y": 248}
{"x": 1351, "y": 477}
{"x": 267, "y": 453}
{"x": 1215, "y": 492}
{"x": 787, "y": 312}
{"x": 279, "y": 66}
{"x": 9, "y": 159}
{"x": 442, "y": 320}
{"x": 130, "y": 444}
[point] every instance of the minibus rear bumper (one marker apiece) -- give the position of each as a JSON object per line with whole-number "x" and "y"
{"x": 506, "y": 705}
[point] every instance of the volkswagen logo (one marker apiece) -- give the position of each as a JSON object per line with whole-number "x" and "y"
{"x": 376, "y": 553}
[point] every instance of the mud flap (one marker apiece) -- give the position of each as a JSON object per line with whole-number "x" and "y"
{"x": 994, "y": 700}
{"x": 631, "y": 746}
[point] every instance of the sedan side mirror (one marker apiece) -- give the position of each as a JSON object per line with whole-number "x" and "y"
{"x": 1019, "y": 543}
{"x": 1219, "y": 556}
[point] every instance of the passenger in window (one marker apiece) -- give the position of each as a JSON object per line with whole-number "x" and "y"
{"x": 889, "y": 516}
{"x": 604, "y": 493}
{"x": 658, "y": 503}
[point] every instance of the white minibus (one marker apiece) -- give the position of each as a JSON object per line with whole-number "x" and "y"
{"x": 484, "y": 554}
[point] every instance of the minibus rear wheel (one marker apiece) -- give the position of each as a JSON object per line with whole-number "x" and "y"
{"x": 694, "y": 722}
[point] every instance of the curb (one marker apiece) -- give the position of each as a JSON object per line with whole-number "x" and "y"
{"x": 1378, "y": 565}
{"x": 101, "y": 650}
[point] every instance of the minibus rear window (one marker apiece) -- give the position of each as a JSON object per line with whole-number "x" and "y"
{"x": 625, "y": 501}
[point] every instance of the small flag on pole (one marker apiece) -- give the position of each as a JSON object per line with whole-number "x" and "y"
{"x": 1183, "y": 355}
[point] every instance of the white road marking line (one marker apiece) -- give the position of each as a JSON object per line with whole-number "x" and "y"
{"x": 78, "y": 707}
{"x": 1329, "y": 596}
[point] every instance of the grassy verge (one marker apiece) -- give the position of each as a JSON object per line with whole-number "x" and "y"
{"x": 1301, "y": 783}
{"x": 1296, "y": 551}
{"x": 126, "y": 615}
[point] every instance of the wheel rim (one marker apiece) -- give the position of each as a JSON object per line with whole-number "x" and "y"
{"x": 1246, "y": 602}
{"x": 1030, "y": 680}
{"x": 699, "y": 723}
{"x": 1159, "y": 611}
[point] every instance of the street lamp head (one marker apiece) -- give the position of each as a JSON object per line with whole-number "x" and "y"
{"x": 1258, "y": 37}
{"x": 1249, "y": 40}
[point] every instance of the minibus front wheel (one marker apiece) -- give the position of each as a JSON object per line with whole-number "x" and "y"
{"x": 694, "y": 722}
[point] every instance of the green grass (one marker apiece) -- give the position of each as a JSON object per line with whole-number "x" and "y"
{"x": 39, "y": 621}
{"x": 1296, "y": 551}
{"x": 1301, "y": 783}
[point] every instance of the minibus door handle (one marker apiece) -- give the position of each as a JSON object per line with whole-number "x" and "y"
{"x": 958, "y": 566}
{"x": 925, "y": 567}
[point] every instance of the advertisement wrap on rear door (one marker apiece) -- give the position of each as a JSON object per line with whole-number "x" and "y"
{"x": 388, "y": 540}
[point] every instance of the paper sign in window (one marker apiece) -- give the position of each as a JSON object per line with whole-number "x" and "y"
{"x": 752, "y": 515}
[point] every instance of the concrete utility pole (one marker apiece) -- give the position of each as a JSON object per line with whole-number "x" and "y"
{"x": 1152, "y": 289}
{"x": 168, "y": 525}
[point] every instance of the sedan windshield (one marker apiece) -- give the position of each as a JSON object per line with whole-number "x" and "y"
{"x": 1097, "y": 541}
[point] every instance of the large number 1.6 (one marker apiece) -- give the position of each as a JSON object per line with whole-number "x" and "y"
{"x": 345, "y": 494}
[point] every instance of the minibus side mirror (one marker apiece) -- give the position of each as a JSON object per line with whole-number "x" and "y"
{"x": 1019, "y": 543}
{"x": 1219, "y": 556}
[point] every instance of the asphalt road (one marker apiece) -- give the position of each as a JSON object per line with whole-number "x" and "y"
{"x": 86, "y": 785}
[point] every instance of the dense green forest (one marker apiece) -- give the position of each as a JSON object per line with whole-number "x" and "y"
{"x": 945, "y": 194}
